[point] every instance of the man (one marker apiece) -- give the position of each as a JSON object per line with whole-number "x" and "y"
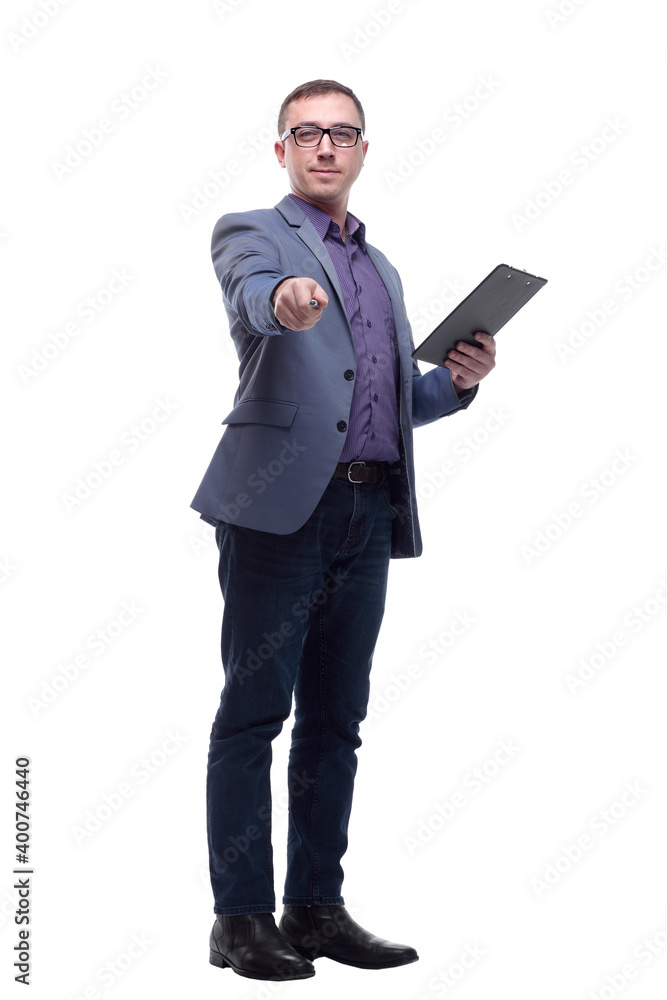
{"x": 312, "y": 491}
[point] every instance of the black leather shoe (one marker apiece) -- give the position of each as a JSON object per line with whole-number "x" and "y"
{"x": 330, "y": 932}
{"x": 251, "y": 945}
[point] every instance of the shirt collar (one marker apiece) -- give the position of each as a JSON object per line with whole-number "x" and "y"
{"x": 323, "y": 222}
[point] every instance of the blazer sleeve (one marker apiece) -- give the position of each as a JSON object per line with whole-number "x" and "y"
{"x": 433, "y": 393}
{"x": 249, "y": 265}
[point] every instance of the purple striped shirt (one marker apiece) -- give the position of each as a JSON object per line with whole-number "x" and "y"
{"x": 372, "y": 433}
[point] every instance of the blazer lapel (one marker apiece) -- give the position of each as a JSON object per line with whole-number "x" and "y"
{"x": 305, "y": 230}
{"x": 398, "y": 306}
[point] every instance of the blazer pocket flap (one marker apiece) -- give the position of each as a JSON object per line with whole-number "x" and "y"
{"x": 262, "y": 411}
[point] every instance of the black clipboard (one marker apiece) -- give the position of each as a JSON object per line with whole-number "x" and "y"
{"x": 488, "y": 307}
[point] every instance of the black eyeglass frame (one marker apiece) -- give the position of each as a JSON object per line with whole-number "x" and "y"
{"x": 324, "y": 131}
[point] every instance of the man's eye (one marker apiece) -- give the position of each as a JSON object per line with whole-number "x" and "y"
{"x": 343, "y": 134}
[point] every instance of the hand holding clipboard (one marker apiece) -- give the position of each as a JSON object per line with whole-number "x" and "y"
{"x": 455, "y": 343}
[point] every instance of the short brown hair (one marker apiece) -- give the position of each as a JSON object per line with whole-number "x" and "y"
{"x": 312, "y": 88}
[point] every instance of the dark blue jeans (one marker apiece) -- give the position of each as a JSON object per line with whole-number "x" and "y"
{"x": 301, "y": 617}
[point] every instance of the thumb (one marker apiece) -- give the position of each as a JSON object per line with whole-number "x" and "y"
{"x": 317, "y": 292}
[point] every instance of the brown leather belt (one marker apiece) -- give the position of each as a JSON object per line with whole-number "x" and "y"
{"x": 361, "y": 472}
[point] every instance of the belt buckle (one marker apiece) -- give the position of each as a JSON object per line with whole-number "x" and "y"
{"x": 349, "y": 468}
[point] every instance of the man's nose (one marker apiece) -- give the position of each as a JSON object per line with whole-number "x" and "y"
{"x": 326, "y": 146}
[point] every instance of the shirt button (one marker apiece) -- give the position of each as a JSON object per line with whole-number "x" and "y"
{"x": 368, "y": 322}
{"x": 373, "y": 436}
{"x": 341, "y": 425}
{"x": 375, "y": 360}
{"x": 349, "y": 374}
{"x": 375, "y": 397}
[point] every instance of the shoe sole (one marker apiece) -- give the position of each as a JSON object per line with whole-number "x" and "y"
{"x": 357, "y": 965}
{"x": 215, "y": 958}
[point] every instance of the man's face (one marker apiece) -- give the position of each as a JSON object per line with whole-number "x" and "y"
{"x": 322, "y": 174}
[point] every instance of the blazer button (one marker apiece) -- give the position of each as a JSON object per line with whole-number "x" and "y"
{"x": 349, "y": 374}
{"x": 341, "y": 425}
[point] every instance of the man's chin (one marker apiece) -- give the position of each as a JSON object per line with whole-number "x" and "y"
{"x": 322, "y": 192}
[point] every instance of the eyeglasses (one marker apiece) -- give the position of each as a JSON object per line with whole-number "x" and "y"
{"x": 310, "y": 135}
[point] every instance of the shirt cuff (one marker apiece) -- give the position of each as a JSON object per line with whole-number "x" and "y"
{"x": 454, "y": 400}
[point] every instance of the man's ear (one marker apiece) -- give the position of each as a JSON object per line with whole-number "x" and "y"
{"x": 279, "y": 149}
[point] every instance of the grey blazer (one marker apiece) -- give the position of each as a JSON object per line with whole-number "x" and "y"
{"x": 286, "y": 430}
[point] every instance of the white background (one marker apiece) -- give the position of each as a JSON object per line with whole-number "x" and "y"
{"x": 493, "y": 879}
